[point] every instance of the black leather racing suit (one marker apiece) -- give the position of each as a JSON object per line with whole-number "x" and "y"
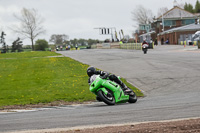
{"x": 112, "y": 77}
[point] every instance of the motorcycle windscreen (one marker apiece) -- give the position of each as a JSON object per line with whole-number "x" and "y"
{"x": 93, "y": 78}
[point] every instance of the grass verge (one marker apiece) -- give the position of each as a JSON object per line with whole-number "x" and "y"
{"x": 43, "y": 77}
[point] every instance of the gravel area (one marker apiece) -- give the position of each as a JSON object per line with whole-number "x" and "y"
{"x": 180, "y": 126}
{"x": 191, "y": 125}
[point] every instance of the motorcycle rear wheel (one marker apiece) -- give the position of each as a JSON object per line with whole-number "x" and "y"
{"x": 109, "y": 100}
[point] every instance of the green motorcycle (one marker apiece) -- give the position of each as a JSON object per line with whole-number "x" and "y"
{"x": 110, "y": 92}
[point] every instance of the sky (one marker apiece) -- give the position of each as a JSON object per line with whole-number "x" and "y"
{"x": 78, "y": 18}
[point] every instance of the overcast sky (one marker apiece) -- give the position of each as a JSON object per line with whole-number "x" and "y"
{"x": 78, "y": 18}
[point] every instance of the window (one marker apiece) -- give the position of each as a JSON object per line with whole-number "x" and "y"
{"x": 169, "y": 22}
{"x": 188, "y": 21}
{"x": 146, "y": 27}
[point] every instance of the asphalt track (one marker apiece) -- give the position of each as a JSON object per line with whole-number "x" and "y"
{"x": 168, "y": 75}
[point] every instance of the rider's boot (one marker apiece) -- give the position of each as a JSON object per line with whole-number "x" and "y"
{"x": 125, "y": 88}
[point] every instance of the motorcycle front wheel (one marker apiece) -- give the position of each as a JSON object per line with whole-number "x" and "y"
{"x": 145, "y": 51}
{"x": 132, "y": 97}
{"x": 108, "y": 99}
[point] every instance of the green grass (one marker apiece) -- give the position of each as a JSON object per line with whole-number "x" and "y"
{"x": 27, "y": 54}
{"x": 34, "y": 77}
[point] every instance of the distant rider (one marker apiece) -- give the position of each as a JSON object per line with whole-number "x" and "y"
{"x": 145, "y": 43}
{"x": 91, "y": 72}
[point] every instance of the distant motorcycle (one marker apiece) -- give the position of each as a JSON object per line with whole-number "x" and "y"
{"x": 145, "y": 48}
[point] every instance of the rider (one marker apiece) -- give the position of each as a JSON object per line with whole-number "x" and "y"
{"x": 145, "y": 43}
{"x": 91, "y": 71}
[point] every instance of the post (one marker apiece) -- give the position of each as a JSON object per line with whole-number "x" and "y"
{"x": 198, "y": 44}
{"x": 163, "y": 22}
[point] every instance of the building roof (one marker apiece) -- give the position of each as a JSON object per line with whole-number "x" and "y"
{"x": 148, "y": 33}
{"x": 190, "y": 27}
{"x": 177, "y": 12}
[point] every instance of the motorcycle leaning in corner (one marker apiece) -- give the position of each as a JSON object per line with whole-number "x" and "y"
{"x": 110, "y": 92}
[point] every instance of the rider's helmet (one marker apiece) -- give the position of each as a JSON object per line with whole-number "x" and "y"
{"x": 90, "y": 71}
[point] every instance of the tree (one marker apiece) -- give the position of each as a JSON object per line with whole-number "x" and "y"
{"x": 92, "y": 41}
{"x": 74, "y": 42}
{"x": 142, "y": 15}
{"x": 41, "y": 44}
{"x": 59, "y": 38}
{"x": 189, "y": 7}
{"x": 186, "y": 6}
{"x": 17, "y": 45}
{"x": 162, "y": 11}
{"x": 197, "y": 7}
{"x": 82, "y": 42}
{"x": 30, "y": 24}
{"x": 2, "y": 40}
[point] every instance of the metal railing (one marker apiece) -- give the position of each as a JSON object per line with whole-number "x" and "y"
{"x": 136, "y": 46}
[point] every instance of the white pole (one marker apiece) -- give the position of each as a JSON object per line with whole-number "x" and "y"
{"x": 163, "y": 21}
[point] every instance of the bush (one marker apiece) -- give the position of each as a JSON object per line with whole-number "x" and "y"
{"x": 41, "y": 44}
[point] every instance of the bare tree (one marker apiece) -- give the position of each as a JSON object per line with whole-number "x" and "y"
{"x": 181, "y": 5}
{"x": 142, "y": 15}
{"x": 161, "y": 11}
{"x": 58, "y": 39}
{"x": 30, "y": 24}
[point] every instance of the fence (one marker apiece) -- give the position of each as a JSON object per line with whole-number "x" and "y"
{"x": 93, "y": 46}
{"x": 136, "y": 46}
{"x": 188, "y": 43}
